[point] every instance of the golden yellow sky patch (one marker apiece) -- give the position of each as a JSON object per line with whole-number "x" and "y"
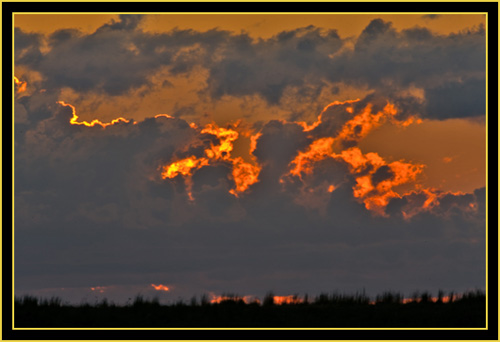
{"x": 257, "y": 25}
{"x": 48, "y": 23}
{"x": 267, "y": 25}
{"x": 453, "y": 150}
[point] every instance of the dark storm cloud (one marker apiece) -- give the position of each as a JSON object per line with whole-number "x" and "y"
{"x": 276, "y": 147}
{"x": 464, "y": 213}
{"x": 383, "y": 59}
{"x": 115, "y": 58}
{"x": 27, "y": 47}
{"x": 466, "y": 98}
{"x": 389, "y": 61}
{"x": 77, "y": 168}
{"x": 91, "y": 210}
{"x": 414, "y": 55}
{"x": 267, "y": 67}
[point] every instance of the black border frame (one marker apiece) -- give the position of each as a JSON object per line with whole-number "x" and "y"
{"x": 123, "y": 7}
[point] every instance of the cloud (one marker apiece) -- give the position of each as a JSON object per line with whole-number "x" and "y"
{"x": 27, "y": 47}
{"x": 91, "y": 208}
{"x": 383, "y": 54}
{"x": 385, "y": 60}
{"x": 81, "y": 61}
{"x": 431, "y": 16}
{"x": 125, "y": 22}
{"x": 278, "y": 143}
{"x": 268, "y": 67}
{"x": 469, "y": 99}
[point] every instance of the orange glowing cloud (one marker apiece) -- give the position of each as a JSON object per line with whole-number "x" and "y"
{"x": 315, "y": 124}
{"x": 360, "y": 125}
{"x": 253, "y": 142}
{"x": 363, "y": 166}
{"x": 318, "y": 150}
{"x": 226, "y": 137}
{"x": 185, "y": 167}
{"x": 427, "y": 199}
{"x": 74, "y": 119}
{"x": 411, "y": 120}
{"x": 365, "y": 121}
{"x": 377, "y": 196}
{"x": 243, "y": 174}
{"x": 160, "y": 287}
{"x": 358, "y": 161}
{"x": 353, "y": 130}
{"x": 374, "y": 186}
{"x": 20, "y": 86}
{"x": 163, "y": 116}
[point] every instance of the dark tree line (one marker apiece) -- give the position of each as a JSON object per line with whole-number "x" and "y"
{"x": 326, "y": 310}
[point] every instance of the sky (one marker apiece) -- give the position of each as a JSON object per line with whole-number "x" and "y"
{"x": 177, "y": 155}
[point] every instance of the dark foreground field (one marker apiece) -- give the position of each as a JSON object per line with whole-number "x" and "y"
{"x": 388, "y": 310}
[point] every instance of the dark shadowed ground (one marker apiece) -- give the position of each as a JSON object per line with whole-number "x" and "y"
{"x": 388, "y": 310}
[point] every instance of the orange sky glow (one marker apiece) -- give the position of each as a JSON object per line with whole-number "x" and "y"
{"x": 258, "y": 25}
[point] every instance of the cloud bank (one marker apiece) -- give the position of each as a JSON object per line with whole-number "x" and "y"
{"x": 434, "y": 75}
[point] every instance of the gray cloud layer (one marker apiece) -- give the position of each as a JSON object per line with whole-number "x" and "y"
{"x": 91, "y": 210}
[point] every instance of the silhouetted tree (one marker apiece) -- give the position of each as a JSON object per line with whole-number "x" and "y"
{"x": 268, "y": 299}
